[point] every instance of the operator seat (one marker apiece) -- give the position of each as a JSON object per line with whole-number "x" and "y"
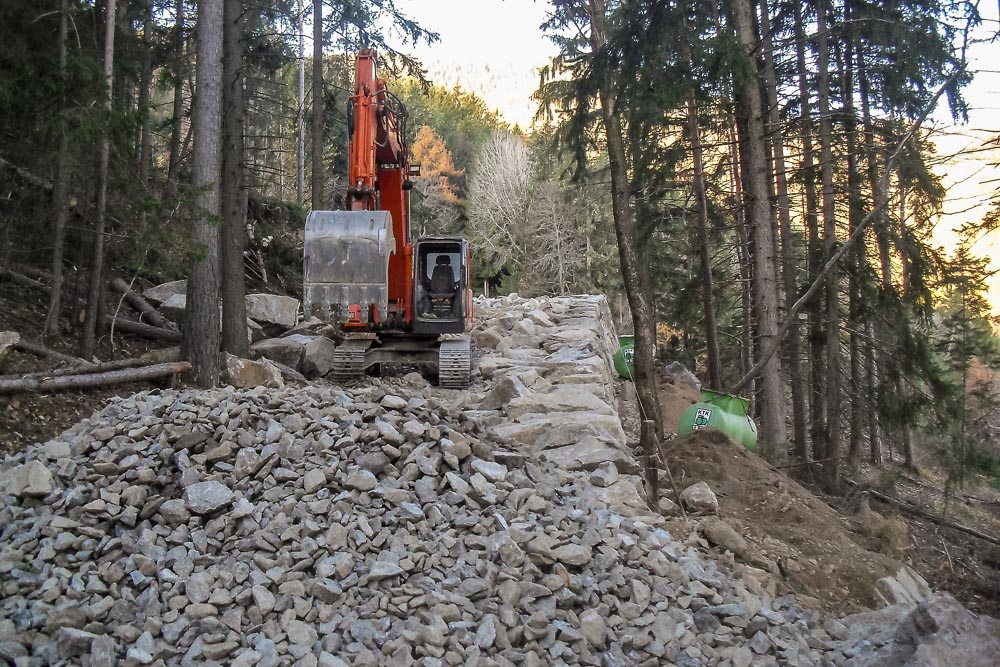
{"x": 442, "y": 287}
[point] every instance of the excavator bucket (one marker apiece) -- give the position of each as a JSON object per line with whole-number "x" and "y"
{"x": 346, "y": 262}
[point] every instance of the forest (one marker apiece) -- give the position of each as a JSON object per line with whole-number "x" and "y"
{"x": 751, "y": 182}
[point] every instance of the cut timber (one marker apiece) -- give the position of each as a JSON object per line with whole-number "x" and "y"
{"x": 144, "y": 330}
{"x": 941, "y": 521}
{"x": 41, "y": 351}
{"x": 21, "y": 279}
{"x": 88, "y": 381}
{"x": 26, "y": 175}
{"x": 150, "y": 358}
{"x": 145, "y": 309}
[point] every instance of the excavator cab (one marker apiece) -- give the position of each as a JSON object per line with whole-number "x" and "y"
{"x": 441, "y": 285}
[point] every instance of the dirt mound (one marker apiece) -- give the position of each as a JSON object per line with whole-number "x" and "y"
{"x": 810, "y": 547}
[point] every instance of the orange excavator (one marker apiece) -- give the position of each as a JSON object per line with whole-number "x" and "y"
{"x": 395, "y": 300}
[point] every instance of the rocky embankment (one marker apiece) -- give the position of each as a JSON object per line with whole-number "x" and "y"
{"x": 389, "y": 522}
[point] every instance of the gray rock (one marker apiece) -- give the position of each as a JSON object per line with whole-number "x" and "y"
{"x": 492, "y": 471}
{"x": 207, "y": 497}
{"x": 247, "y": 374}
{"x": 384, "y": 570}
{"x": 594, "y": 628}
{"x": 573, "y": 554}
{"x": 317, "y": 357}
{"x": 700, "y": 499}
{"x": 314, "y": 480}
{"x": 30, "y": 480}
{"x": 271, "y": 309}
{"x": 604, "y": 475}
{"x": 173, "y": 307}
{"x": 160, "y": 293}
{"x": 73, "y": 642}
{"x": 8, "y": 339}
{"x": 392, "y": 402}
{"x": 361, "y": 480}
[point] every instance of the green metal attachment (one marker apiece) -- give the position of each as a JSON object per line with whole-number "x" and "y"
{"x": 623, "y": 357}
{"x": 724, "y": 412}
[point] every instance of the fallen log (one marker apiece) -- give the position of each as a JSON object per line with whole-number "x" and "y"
{"x": 38, "y": 274}
{"x": 144, "y": 330}
{"x": 933, "y": 518}
{"x": 91, "y": 380}
{"x": 40, "y": 350}
{"x": 169, "y": 354}
{"x": 26, "y": 175}
{"x": 128, "y": 326}
{"x": 21, "y": 279}
{"x": 145, "y": 309}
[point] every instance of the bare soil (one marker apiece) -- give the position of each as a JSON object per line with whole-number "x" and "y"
{"x": 822, "y": 546}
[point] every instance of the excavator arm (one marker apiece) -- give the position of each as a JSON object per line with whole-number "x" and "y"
{"x": 377, "y": 125}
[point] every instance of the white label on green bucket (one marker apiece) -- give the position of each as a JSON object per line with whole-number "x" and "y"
{"x": 628, "y": 353}
{"x": 701, "y": 418}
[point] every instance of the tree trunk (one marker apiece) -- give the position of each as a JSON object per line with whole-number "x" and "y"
{"x": 746, "y": 266}
{"x": 145, "y": 80}
{"x": 169, "y": 354}
{"x": 772, "y": 395}
{"x": 300, "y": 116}
{"x": 817, "y": 399}
{"x": 875, "y": 432}
{"x": 201, "y": 333}
{"x": 88, "y": 336}
{"x": 628, "y": 256}
{"x": 143, "y": 330}
{"x": 888, "y": 348}
{"x": 234, "y": 310}
{"x": 318, "y": 172}
{"x": 704, "y": 251}
{"x": 60, "y": 190}
{"x": 831, "y": 438}
{"x": 90, "y": 380}
{"x": 855, "y": 208}
{"x": 174, "y": 160}
{"x": 793, "y": 341}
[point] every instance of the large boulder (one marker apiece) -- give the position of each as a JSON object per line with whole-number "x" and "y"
{"x": 506, "y": 390}
{"x": 937, "y": 632}
{"x": 173, "y": 307}
{"x": 287, "y": 350}
{"x": 160, "y": 293}
{"x": 560, "y": 399}
{"x": 8, "y": 339}
{"x": 317, "y": 357}
{"x": 31, "y": 480}
{"x": 246, "y": 373}
{"x": 546, "y": 431}
{"x": 700, "y": 499}
{"x": 588, "y": 454}
{"x": 273, "y": 311}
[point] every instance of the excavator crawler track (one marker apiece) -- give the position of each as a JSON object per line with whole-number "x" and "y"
{"x": 349, "y": 360}
{"x": 455, "y": 362}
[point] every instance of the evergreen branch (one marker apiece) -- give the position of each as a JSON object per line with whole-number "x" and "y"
{"x": 831, "y": 263}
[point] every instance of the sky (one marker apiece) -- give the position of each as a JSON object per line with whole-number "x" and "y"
{"x": 494, "y": 48}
